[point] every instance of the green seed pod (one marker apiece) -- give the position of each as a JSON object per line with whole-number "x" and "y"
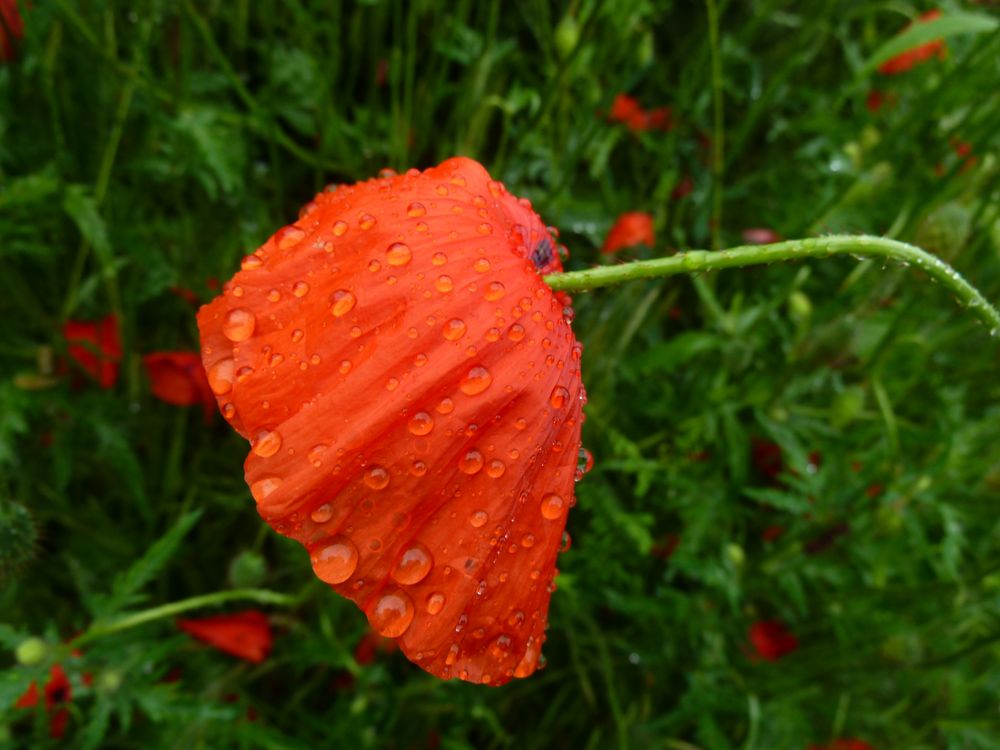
{"x": 247, "y": 569}
{"x": 799, "y": 308}
{"x": 567, "y": 36}
{"x": 31, "y": 651}
{"x": 18, "y": 538}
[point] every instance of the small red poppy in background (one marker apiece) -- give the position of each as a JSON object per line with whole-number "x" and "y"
{"x": 11, "y": 29}
{"x": 58, "y": 692}
{"x": 411, "y": 390}
{"x": 630, "y": 229}
{"x": 245, "y": 635}
{"x": 179, "y": 379}
{"x": 760, "y": 236}
{"x": 911, "y": 57}
{"x": 844, "y": 744}
{"x": 96, "y": 347}
{"x": 627, "y": 111}
{"x": 370, "y": 645}
{"x": 771, "y": 640}
{"x": 683, "y": 188}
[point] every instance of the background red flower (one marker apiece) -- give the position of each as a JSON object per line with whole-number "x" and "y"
{"x": 245, "y": 635}
{"x": 630, "y": 229}
{"x": 771, "y": 640}
{"x": 96, "y": 347}
{"x": 179, "y": 378}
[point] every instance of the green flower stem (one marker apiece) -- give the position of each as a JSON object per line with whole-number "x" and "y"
{"x": 860, "y": 246}
{"x": 101, "y": 629}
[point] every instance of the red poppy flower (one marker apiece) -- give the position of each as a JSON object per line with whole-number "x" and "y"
{"x": 760, "y": 236}
{"x": 96, "y": 347}
{"x": 372, "y": 643}
{"x": 631, "y": 228}
{"x": 683, "y": 188}
{"x": 626, "y": 110}
{"x": 771, "y": 640}
{"x": 772, "y": 533}
{"x": 58, "y": 692}
{"x": 246, "y": 635}
{"x": 11, "y": 28}
{"x": 411, "y": 390}
{"x": 179, "y": 378}
{"x": 906, "y": 60}
{"x": 844, "y": 744}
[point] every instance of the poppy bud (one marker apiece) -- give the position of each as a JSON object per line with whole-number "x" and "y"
{"x": 31, "y": 651}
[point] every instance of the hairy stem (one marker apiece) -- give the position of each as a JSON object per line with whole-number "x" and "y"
{"x": 101, "y": 629}
{"x": 860, "y": 246}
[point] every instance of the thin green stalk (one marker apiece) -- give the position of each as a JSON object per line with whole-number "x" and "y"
{"x": 859, "y": 246}
{"x": 101, "y": 629}
{"x": 718, "y": 134}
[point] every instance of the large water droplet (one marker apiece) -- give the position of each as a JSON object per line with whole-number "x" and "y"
{"x": 471, "y": 462}
{"x": 477, "y": 380}
{"x": 264, "y": 487}
{"x": 392, "y": 614}
{"x": 300, "y": 289}
{"x": 414, "y": 565}
{"x": 398, "y": 254}
{"x": 445, "y": 406}
{"x": 220, "y": 376}
{"x": 416, "y": 209}
{"x": 342, "y": 302}
{"x": 335, "y": 561}
{"x": 289, "y": 236}
{"x": 420, "y": 423}
{"x": 478, "y": 519}
{"x": 376, "y": 477}
{"x": 558, "y": 397}
{"x": 322, "y": 514}
{"x": 239, "y": 325}
{"x": 454, "y": 329}
{"x": 339, "y": 228}
{"x": 552, "y": 506}
{"x": 267, "y": 443}
{"x": 496, "y": 468}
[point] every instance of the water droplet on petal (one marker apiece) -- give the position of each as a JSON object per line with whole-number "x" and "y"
{"x": 398, "y": 254}
{"x": 444, "y": 284}
{"x": 416, "y": 209}
{"x": 471, "y": 462}
{"x": 273, "y": 296}
{"x": 322, "y": 514}
{"x": 516, "y": 332}
{"x": 376, "y": 477}
{"x": 496, "y": 468}
{"x": 558, "y": 397}
{"x": 494, "y": 291}
{"x": 528, "y": 541}
{"x": 439, "y": 259}
{"x": 315, "y": 454}
{"x": 336, "y": 560}
{"x": 445, "y": 406}
{"x": 477, "y": 380}
{"x": 267, "y": 443}
{"x": 345, "y": 366}
{"x": 339, "y": 228}
{"x": 367, "y": 221}
{"x": 392, "y": 614}
{"x": 478, "y": 519}
{"x": 435, "y": 603}
{"x": 454, "y": 329}
{"x": 289, "y": 236}
{"x": 250, "y": 262}
{"x": 481, "y": 265}
{"x": 239, "y": 325}
{"x": 342, "y": 302}
{"x": 300, "y": 289}
{"x": 220, "y": 376}
{"x": 420, "y": 423}
{"x": 297, "y": 335}
{"x": 414, "y": 565}
{"x": 264, "y": 487}
{"x": 552, "y": 506}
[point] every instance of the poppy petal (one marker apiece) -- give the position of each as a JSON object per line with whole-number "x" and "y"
{"x": 411, "y": 390}
{"x": 245, "y": 635}
{"x": 178, "y": 378}
{"x": 631, "y": 228}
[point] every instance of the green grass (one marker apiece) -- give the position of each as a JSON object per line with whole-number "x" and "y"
{"x": 150, "y": 148}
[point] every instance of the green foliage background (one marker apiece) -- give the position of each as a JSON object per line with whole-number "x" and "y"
{"x": 150, "y": 145}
